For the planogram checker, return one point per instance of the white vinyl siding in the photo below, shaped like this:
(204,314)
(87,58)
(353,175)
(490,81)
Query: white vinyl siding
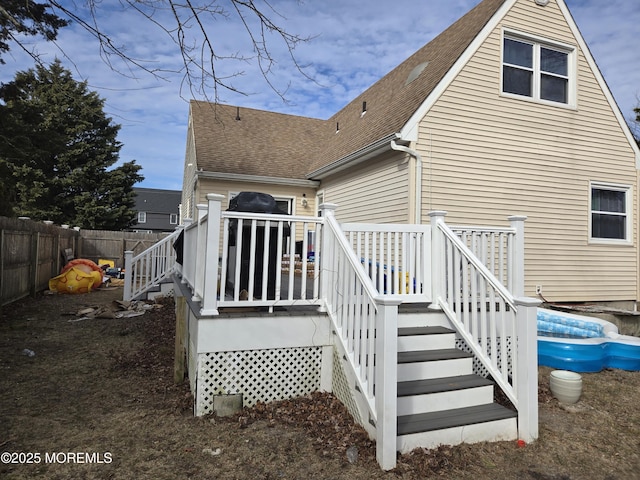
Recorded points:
(227,188)
(188,206)
(488,156)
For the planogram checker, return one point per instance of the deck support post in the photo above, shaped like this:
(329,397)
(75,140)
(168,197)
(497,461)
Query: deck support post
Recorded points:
(386,381)
(211,248)
(437,258)
(326,254)
(526,374)
(201,241)
(516,275)
(179,362)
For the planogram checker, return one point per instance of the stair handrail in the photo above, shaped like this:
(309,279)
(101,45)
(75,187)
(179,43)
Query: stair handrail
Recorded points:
(149,267)
(493,356)
(366,326)
(336,271)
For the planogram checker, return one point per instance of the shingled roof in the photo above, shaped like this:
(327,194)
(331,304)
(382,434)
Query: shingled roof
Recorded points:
(253,142)
(272,144)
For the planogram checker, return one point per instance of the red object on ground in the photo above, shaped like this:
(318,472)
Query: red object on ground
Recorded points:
(83,264)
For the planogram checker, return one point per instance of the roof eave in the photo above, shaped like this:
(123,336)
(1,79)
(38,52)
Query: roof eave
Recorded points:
(238,177)
(365,153)
(601,81)
(410,129)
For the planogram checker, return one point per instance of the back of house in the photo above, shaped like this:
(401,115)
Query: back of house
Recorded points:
(504,113)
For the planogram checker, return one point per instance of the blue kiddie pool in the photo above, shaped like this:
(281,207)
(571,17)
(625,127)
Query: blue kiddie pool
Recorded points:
(584,344)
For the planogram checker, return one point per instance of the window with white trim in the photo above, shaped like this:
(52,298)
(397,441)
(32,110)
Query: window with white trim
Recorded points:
(610,215)
(142,217)
(537,70)
(173,219)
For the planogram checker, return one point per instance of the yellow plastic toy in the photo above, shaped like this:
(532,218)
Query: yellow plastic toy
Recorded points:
(77,276)
(75,280)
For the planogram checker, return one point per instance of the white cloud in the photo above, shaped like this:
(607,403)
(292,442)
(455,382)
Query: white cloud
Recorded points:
(354,43)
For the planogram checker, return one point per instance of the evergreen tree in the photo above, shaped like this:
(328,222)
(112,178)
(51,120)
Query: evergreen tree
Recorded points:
(20,18)
(56,147)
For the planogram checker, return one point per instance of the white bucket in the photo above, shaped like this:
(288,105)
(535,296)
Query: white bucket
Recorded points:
(566,386)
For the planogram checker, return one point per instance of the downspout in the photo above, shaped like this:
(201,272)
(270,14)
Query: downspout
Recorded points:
(418,186)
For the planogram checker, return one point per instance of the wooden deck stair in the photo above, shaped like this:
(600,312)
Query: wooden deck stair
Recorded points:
(440,399)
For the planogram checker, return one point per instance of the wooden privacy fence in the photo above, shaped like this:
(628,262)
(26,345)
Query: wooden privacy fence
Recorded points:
(108,245)
(31,253)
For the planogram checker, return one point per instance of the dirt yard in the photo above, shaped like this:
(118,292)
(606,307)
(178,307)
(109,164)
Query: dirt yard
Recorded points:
(94,398)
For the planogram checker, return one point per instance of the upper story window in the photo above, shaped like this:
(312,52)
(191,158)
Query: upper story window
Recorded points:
(142,217)
(610,214)
(538,70)
(173,218)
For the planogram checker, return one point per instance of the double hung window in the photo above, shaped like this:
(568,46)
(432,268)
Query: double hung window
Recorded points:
(537,71)
(610,215)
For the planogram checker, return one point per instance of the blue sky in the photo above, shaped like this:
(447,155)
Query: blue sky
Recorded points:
(353,44)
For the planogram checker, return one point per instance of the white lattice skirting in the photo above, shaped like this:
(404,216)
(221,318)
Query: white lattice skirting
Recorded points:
(340,387)
(259,375)
(480,369)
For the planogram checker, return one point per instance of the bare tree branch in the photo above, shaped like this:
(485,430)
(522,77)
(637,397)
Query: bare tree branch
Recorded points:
(189,28)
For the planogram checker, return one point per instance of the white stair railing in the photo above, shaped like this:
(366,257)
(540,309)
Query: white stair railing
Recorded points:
(366,328)
(150,267)
(498,328)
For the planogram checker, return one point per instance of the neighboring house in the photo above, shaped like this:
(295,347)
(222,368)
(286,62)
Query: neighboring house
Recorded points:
(157,210)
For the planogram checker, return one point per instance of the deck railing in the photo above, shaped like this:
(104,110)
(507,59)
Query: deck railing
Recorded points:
(498,249)
(275,268)
(150,267)
(395,256)
(498,328)
(239,259)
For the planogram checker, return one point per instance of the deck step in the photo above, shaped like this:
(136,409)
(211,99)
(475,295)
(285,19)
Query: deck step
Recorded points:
(425,338)
(483,423)
(426,422)
(439,385)
(441,401)
(437,330)
(437,394)
(420,364)
(432,355)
